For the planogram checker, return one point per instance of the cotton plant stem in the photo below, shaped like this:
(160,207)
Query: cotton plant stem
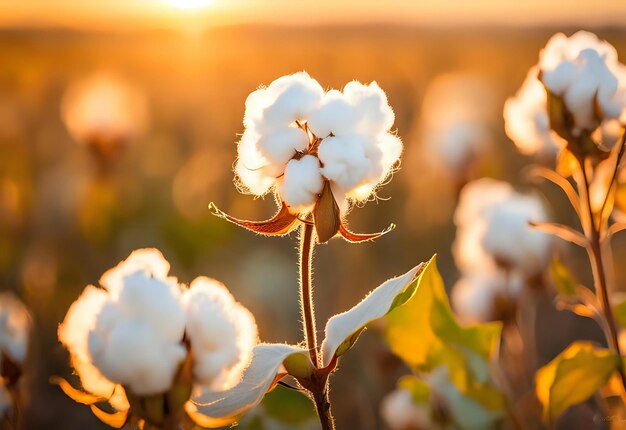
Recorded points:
(306,291)
(318,385)
(599,275)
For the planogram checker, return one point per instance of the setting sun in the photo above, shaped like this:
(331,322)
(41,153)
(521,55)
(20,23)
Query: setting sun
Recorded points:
(189,4)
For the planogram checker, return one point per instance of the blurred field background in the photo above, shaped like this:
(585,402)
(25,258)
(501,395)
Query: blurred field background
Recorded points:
(63,222)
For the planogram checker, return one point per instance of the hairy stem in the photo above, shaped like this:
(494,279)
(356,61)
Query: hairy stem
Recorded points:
(599,274)
(318,385)
(306,291)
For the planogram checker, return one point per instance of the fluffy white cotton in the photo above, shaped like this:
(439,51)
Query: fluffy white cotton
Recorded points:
(6,404)
(301,183)
(104,107)
(222,334)
(476,295)
(131,334)
(73,334)
(492,229)
(293,121)
(401,412)
(584,71)
(287,99)
(137,338)
(526,119)
(15,325)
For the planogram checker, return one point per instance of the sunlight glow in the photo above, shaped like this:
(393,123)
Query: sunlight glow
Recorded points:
(189,4)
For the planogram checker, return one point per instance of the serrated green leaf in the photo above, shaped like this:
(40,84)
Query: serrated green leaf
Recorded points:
(572,377)
(563,279)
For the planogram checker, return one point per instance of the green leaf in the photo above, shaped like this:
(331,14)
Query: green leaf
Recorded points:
(572,377)
(343,330)
(564,281)
(288,406)
(419,389)
(619,310)
(423,331)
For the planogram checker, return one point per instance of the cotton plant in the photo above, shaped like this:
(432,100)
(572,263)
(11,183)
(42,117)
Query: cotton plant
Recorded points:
(582,109)
(142,344)
(15,329)
(319,153)
(496,249)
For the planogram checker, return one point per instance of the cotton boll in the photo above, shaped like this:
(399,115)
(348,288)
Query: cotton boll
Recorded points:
(94,382)
(255,173)
(344,160)
(15,325)
(148,299)
(455,144)
(478,196)
(287,99)
(526,119)
(467,248)
(375,114)
(301,183)
(149,261)
(281,145)
(335,116)
(222,334)
(401,412)
(475,296)
(80,319)
(584,71)
(512,242)
(135,355)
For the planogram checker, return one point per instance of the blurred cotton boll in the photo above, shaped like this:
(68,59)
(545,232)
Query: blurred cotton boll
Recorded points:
(104,112)
(526,119)
(145,335)
(455,122)
(298,136)
(493,229)
(486,296)
(401,412)
(222,334)
(15,327)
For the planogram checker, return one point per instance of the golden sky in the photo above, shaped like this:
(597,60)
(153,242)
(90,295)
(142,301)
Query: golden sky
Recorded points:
(129,14)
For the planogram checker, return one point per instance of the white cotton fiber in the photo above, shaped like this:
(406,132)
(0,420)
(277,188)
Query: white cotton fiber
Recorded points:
(584,71)
(526,119)
(348,132)
(493,229)
(301,183)
(475,295)
(375,114)
(401,412)
(149,261)
(336,116)
(222,334)
(344,160)
(137,338)
(281,145)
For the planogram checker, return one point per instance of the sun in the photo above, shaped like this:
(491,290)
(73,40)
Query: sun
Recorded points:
(189,4)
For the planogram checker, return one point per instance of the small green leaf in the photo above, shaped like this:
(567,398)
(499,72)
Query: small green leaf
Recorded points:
(619,310)
(288,406)
(419,389)
(563,279)
(572,377)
